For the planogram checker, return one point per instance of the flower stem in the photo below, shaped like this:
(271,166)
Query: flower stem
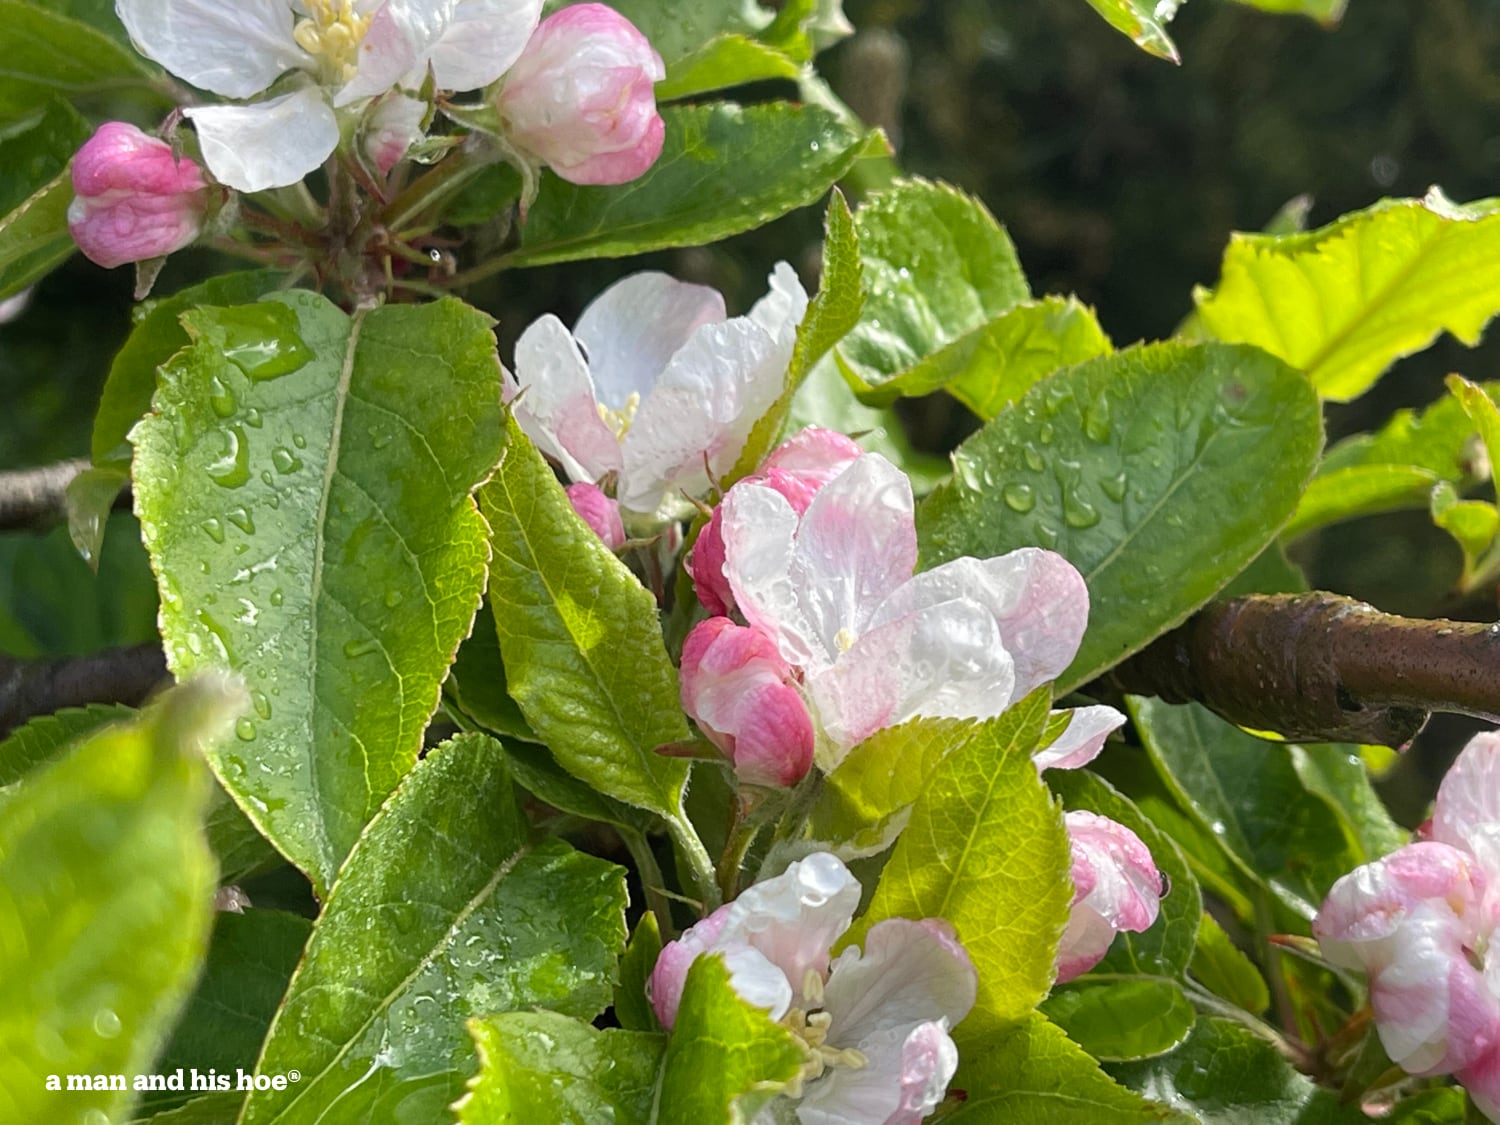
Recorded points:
(651,877)
(700,864)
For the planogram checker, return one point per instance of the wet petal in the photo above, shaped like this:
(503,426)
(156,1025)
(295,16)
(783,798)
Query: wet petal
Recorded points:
(1469,797)
(903,1080)
(233,49)
(1080,743)
(266,144)
(909,972)
(558,410)
(1116,886)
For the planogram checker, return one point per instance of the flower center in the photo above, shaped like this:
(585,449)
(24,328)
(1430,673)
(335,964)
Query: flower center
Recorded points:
(810,1024)
(620,421)
(331,34)
(845,639)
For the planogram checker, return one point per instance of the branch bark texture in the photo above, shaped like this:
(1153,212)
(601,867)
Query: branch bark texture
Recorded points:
(39,687)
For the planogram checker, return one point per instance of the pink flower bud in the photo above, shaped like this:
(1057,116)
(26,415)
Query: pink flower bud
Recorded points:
(797,468)
(1115,887)
(599,512)
(581,97)
(738,688)
(133,199)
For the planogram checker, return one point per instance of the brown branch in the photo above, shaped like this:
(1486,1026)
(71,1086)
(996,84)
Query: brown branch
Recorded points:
(35,499)
(39,687)
(1320,668)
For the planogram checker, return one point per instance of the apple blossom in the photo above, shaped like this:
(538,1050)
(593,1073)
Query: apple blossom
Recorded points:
(581,98)
(875,1022)
(654,387)
(133,198)
(1422,924)
(344,51)
(874,644)
(1116,887)
(598,511)
(738,689)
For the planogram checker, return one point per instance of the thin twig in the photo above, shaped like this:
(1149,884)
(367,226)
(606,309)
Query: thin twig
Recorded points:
(36,499)
(39,687)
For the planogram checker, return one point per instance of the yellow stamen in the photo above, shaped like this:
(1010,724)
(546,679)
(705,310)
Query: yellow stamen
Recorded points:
(620,421)
(331,34)
(810,1024)
(845,639)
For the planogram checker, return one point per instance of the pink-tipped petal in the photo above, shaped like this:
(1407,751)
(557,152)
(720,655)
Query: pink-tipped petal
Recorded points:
(1481,1078)
(1469,797)
(600,512)
(706,564)
(1116,887)
(813,456)
(558,409)
(664,988)
(1080,743)
(392,128)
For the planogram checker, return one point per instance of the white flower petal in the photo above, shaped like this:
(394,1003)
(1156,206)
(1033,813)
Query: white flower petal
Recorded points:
(558,410)
(632,330)
(1469,797)
(695,421)
(944,661)
(903,1080)
(760,532)
(757,979)
(910,972)
(781,310)
(481,41)
(267,144)
(1080,743)
(234,49)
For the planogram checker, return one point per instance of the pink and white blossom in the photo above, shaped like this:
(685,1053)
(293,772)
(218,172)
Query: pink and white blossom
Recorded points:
(1116,887)
(341,52)
(655,386)
(133,198)
(874,645)
(1421,923)
(740,692)
(581,98)
(600,512)
(875,1021)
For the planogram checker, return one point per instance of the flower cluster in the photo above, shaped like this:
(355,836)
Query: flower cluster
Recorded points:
(874,1022)
(815,554)
(306,78)
(1421,923)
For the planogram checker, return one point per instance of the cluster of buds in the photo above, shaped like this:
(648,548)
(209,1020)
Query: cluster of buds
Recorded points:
(573,92)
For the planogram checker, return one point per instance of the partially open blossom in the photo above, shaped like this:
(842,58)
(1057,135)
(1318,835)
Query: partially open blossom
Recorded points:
(654,385)
(132,198)
(738,689)
(342,51)
(392,126)
(799,467)
(581,98)
(1116,887)
(875,1022)
(874,644)
(599,512)
(1422,924)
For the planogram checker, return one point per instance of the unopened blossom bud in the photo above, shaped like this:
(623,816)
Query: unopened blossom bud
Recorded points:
(600,512)
(737,687)
(133,199)
(1115,887)
(581,97)
(393,126)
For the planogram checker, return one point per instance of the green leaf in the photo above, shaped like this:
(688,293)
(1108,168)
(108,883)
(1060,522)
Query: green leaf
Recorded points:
(45,737)
(1117,1017)
(1032,1074)
(36,149)
(107,905)
(1227,1075)
(1167,946)
(939,269)
(1344,302)
(1160,472)
(47,54)
(90,498)
(34,238)
(580,639)
(1248,795)
(830,316)
(725,1057)
(1338,774)
(309,517)
(986,849)
(725,61)
(250,960)
(1222,969)
(1364,491)
(157,336)
(1144,21)
(632,1009)
(1326,12)
(444,911)
(476,683)
(204,1109)
(723,169)
(541,1066)
(678,30)
(1473,524)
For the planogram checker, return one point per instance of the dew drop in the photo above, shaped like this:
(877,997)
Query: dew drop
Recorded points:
(277,597)
(93,1116)
(1096,420)
(1045,433)
(233,468)
(393,598)
(253,419)
(221,398)
(1046,536)
(240,517)
(354,649)
(1034,459)
(1114,487)
(220,635)
(214,529)
(1078,512)
(299,441)
(261,704)
(261,339)
(244,730)
(285,460)
(106,1023)
(1019,497)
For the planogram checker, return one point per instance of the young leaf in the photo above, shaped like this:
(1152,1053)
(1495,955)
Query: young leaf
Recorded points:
(34,238)
(1344,302)
(986,849)
(1339,775)
(1160,472)
(724,169)
(310,521)
(541,1066)
(1032,1074)
(1144,21)
(725,61)
(108,899)
(1222,969)
(580,640)
(1118,1017)
(632,1008)
(46,736)
(1247,794)
(204,1109)
(938,268)
(443,911)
